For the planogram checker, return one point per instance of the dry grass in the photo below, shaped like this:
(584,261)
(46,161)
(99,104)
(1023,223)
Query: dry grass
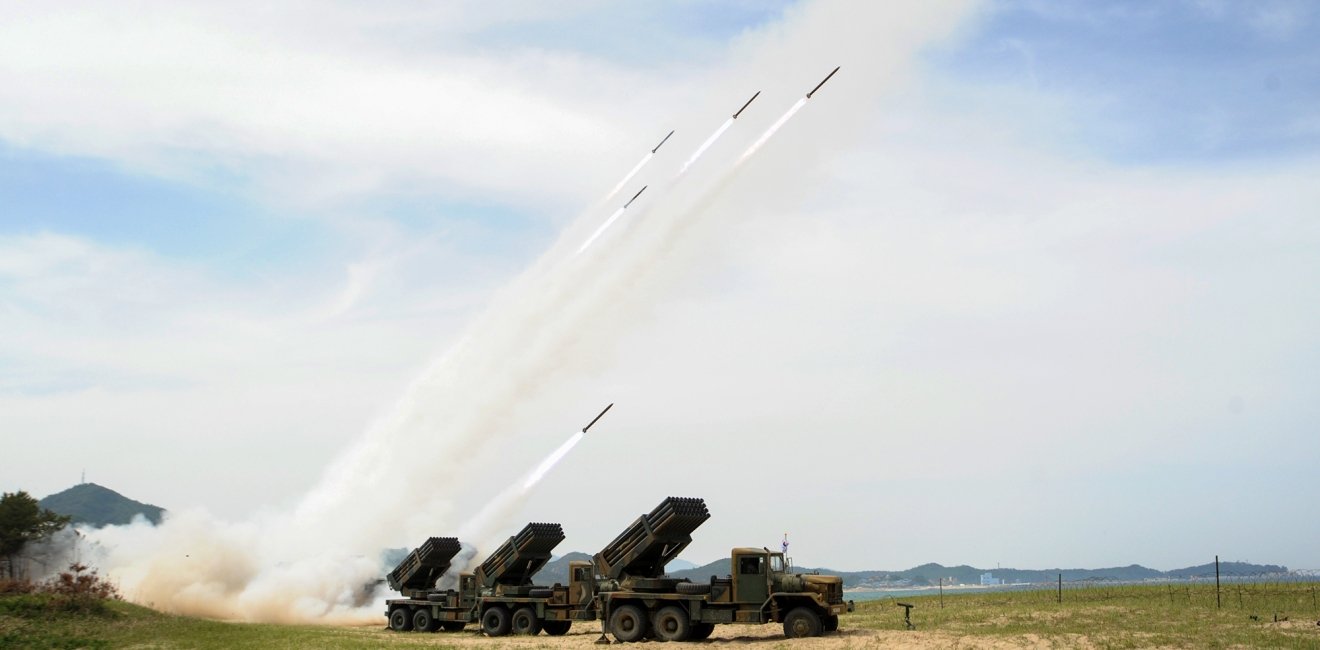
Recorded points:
(1120,617)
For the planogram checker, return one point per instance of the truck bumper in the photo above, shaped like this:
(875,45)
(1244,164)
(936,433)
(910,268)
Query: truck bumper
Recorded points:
(840,608)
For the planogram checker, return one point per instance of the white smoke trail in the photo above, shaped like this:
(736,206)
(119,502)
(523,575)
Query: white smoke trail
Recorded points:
(706,145)
(618,213)
(770,132)
(640,164)
(550,462)
(318,564)
(480,533)
(599,231)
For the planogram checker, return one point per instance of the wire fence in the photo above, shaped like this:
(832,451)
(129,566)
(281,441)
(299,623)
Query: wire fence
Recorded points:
(1271,593)
(1294,591)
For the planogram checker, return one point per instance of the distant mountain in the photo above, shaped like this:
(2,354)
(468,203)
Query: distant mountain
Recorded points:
(702,573)
(98,506)
(1227,569)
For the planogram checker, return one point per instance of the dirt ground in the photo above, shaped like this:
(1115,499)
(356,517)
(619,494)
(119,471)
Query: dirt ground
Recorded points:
(584,635)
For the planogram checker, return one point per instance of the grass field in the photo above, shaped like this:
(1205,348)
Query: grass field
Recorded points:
(1182,616)
(1131,616)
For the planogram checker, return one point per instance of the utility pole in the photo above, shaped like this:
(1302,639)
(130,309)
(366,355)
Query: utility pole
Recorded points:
(1218,604)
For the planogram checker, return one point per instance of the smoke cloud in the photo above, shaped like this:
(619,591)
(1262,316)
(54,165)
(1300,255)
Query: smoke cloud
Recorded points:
(321,560)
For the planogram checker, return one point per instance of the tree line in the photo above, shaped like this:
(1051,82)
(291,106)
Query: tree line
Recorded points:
(22,522)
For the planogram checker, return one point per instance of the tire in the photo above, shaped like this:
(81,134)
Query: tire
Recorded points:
(701,631)
(495,621)
(692,588)
(556,628)
(802,622)
(540,593)
(524,621)
(452,626)
(830,623)
(422,621)
(671,623)
(628,623)
(400,619)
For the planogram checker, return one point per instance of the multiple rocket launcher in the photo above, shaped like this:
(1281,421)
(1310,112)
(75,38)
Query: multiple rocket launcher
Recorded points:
(624,586)
(642,550)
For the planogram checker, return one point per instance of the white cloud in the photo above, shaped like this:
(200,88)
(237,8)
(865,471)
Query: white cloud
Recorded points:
(311,104)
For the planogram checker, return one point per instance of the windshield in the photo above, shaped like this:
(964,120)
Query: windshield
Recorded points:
(777,563)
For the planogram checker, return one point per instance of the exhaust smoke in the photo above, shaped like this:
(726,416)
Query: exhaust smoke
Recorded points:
(320,560)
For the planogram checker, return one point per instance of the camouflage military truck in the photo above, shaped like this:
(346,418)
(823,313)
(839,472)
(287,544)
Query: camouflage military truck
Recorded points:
(423,606)
(636,600)
(624,586)
(500,594)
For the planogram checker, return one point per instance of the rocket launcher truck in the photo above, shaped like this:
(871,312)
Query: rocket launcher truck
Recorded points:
(499,594)
(635,600)
(624,585)
(418,572)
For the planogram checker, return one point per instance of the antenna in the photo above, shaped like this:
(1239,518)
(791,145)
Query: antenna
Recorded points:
(84,477)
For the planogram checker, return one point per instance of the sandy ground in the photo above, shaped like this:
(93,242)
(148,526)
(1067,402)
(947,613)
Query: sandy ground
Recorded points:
(584,635)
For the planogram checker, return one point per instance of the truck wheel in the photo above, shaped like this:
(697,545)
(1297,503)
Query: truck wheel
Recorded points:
(422,621)
(628,623)
(495,622)
(556,628)
(801,622)
(452,626)
(400,620)
(672,624)
(692,588)
(831,623)
(525,622)
(701,631)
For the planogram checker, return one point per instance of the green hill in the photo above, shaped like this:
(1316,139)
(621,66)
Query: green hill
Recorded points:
(99,506)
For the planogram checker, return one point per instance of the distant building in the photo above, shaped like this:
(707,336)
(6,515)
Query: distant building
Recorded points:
(988,580)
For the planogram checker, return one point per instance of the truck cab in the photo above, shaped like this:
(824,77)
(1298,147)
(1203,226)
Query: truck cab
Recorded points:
(581,584)
(806,604)
(751,574)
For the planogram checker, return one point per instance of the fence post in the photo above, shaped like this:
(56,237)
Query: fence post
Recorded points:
(941,593)
(1060,588)
(1218,604)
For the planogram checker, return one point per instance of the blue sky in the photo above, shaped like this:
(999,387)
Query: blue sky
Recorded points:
(1030,261)
(1160,82)
(1146,84)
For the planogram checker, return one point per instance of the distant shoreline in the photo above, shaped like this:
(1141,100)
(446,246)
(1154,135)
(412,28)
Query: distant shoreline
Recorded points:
(957,587)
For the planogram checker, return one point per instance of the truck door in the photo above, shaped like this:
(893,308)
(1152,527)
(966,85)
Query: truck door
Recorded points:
(467,591)
(580,584)
(749,579)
